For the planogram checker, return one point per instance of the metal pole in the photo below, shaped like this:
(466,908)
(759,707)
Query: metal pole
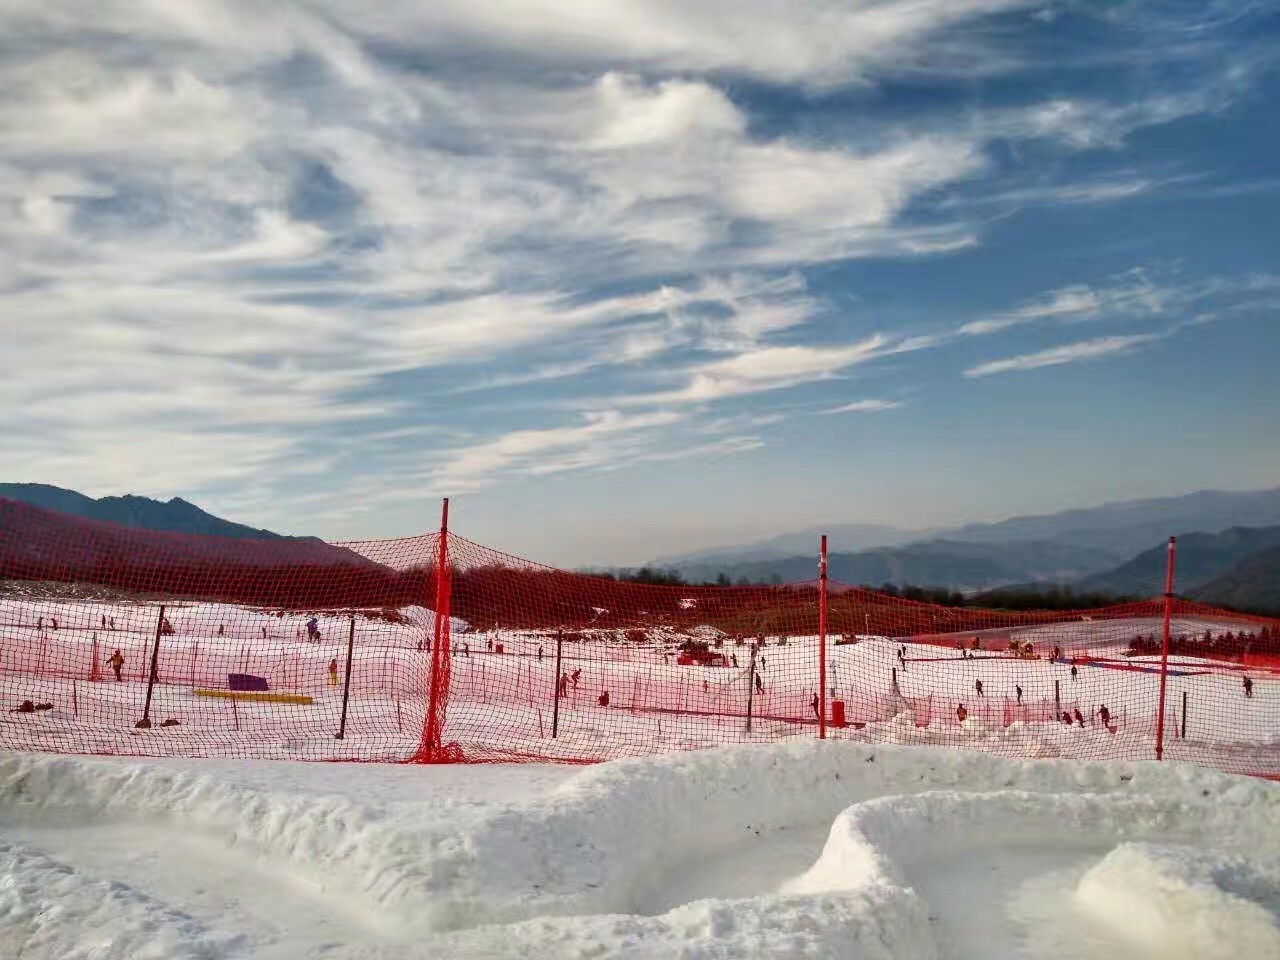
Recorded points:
(346,686)
(151,676)
(822,640)
(1184,714)
(751,684)
(555,710)
(1164,647)
(1057,699)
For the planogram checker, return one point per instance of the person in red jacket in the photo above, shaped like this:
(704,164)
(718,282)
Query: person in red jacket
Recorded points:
(961,714)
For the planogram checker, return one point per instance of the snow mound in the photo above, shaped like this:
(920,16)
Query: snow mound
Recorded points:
(805,849)
(1180,901)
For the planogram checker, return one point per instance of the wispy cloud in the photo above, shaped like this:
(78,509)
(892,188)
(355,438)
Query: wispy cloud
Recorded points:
(1069,353)
(866,406)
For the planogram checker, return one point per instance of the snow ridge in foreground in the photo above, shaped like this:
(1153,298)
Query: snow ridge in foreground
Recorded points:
(806,849)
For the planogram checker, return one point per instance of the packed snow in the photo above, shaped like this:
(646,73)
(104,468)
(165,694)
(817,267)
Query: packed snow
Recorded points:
(805,849)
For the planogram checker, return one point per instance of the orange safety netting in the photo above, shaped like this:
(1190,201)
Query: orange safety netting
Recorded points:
(436,649)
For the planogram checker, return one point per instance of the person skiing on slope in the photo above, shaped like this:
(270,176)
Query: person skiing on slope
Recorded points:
(961,714)
(117,664)
(575,677)
(814,703)
(977,685)
(759,684)
(1104,715)
(1075,674)
(1079,717)
(1066,718)
(1248,688)
(603,699)
(1018,691)
(333,672)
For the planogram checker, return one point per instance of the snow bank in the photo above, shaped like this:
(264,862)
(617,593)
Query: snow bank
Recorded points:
(602,864)
(1179,901)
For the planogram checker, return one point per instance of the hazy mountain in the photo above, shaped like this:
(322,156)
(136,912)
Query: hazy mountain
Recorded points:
(844,537)
(1252,584)
(177,515)
(1133,525)
(938,563)
(1201,557)
(1120,529)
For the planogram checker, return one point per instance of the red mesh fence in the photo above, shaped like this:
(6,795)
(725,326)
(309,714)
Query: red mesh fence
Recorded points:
(115,640)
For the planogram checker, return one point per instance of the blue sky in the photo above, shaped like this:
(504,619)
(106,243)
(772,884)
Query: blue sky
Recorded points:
(629,278)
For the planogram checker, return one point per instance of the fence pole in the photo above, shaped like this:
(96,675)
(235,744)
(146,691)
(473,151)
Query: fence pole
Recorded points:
(751,684)
(151,675)
(346,686)
(822,640)
(1057,700)
(1184,714)
(437,693)
(1164,647)
(555,709)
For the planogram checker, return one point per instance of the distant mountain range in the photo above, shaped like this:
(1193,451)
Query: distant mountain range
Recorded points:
(1201,558)
(1228,549)
(176,515)
(1117,548)
(1252,584)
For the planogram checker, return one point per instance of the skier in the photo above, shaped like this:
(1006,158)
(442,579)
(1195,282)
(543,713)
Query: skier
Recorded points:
(40,623)
(1075,674)
(264,633)
(603,699)
(54,621)
(165,627)
(222,629)
(111,621)
(961,714)
(466,650)
(1066,718)
(1104,715)
(706,687)
(489,645)
(539,652)
(977,685)
(759,684)
(104,621)
(313,629)
(575,677)
(735,659)
(1079,717)
(564,684)
(1018,690)
(1057,655)
(1248,688)
(814,703)
(117,664)
(762,664)
(333,672)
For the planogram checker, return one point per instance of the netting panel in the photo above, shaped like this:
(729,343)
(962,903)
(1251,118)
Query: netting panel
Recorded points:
(460,652)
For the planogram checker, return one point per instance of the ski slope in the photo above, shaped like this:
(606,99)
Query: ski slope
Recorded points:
(502,704)
(800,850)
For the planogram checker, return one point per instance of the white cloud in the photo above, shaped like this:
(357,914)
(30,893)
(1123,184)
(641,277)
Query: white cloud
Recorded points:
(1069,353)
(866,406)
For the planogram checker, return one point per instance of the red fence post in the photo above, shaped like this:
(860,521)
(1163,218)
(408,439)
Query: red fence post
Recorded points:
(438,689)
(1164,647)
(822,640)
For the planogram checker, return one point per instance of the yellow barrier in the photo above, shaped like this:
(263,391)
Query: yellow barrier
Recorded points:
(301,698)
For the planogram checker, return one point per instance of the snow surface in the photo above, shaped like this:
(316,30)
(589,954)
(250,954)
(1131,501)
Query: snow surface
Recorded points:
(804,849)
